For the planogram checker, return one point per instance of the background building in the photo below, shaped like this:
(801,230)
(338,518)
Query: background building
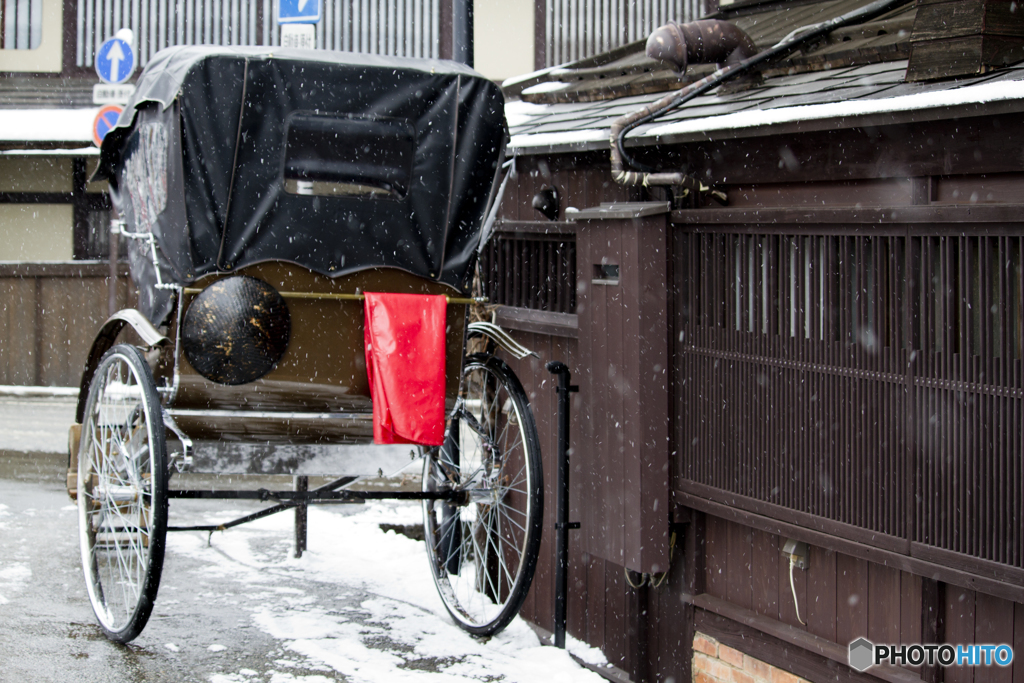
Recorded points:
(49,213)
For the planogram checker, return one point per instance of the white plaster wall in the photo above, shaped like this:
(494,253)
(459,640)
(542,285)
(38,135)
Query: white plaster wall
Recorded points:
(503,38)
(35,174)
(35,232)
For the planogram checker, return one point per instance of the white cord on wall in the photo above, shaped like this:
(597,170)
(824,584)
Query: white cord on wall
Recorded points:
(792,586)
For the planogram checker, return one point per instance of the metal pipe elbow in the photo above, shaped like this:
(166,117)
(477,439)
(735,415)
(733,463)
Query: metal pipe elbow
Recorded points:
(706,41)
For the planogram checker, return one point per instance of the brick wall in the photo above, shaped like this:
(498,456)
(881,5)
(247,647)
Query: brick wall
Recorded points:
(717,663)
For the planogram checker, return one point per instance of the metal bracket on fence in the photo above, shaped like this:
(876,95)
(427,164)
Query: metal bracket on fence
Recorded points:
(562,523)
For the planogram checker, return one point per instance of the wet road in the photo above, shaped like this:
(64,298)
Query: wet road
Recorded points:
(201,625)
(359,606)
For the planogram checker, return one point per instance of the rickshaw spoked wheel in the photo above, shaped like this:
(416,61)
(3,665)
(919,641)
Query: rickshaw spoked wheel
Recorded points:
(483,547)
(122,493)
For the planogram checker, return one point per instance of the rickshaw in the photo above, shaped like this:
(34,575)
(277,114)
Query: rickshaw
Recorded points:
(264,196)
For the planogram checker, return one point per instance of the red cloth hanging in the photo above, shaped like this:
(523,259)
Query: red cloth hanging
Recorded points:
(405,359)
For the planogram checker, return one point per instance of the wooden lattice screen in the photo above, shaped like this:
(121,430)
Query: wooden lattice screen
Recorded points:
(531,270)
(870,381)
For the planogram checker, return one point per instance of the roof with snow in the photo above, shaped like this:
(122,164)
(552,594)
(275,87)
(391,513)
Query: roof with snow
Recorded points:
(856,77)
(68,127)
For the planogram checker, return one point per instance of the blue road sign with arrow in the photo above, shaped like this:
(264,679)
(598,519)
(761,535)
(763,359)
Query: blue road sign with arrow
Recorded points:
(115,60)
(298,11)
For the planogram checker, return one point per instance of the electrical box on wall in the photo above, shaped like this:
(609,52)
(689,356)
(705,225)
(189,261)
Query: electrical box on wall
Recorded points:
(797,552)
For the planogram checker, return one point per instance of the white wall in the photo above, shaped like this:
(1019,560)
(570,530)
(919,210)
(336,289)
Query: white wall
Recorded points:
(48,56)
(503,38)
(36,232)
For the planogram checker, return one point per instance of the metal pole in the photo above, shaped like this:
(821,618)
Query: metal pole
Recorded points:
(462,31)
(301,485)
(562,523)
(114,236)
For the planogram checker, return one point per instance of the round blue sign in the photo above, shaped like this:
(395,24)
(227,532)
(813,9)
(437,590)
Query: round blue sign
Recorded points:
(115,61)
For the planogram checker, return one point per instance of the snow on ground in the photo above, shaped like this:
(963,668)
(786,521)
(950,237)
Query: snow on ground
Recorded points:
(13,578)
(396,627)
(27,424)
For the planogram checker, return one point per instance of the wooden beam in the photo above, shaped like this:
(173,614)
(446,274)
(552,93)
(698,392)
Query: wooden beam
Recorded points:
(692,489)
(540,36)
(939,572)
(964,38)
(80,213)
(540,322)
(61,269)
(565,228)
(694,533)
(446,38)
(784,646)
(771,219)
(636,628)
(37,197)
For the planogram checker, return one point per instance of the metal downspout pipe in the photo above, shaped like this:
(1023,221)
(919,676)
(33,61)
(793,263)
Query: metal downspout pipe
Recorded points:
(462,31)
(678,43)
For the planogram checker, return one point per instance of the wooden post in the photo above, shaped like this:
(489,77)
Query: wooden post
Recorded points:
(932,627)
(80,210)
(693,575)
(622,303)
(636,627)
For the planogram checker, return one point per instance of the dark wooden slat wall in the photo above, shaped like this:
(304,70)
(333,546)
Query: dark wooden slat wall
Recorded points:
(626,471)
(908,380)
(49,314)
(843,598)
(504,258)
(597,587)
(598,599)
(873,381)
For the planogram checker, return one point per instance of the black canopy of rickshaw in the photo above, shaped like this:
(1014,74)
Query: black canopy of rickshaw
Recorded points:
(334,161)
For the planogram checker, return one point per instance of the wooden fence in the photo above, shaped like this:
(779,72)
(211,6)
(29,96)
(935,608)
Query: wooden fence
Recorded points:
(576,29)
(49,314)
(408,28)
(869,386)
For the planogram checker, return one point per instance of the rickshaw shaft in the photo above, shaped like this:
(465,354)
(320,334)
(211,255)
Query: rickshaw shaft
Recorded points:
(349,297)
(321,496)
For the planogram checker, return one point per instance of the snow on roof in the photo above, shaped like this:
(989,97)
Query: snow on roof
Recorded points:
(70,152)
(843,97)
(518,112)
(546,86)
(47,125)
(982,94)
(566,138)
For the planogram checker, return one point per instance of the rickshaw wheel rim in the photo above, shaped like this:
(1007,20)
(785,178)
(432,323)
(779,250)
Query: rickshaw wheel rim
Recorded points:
(466,605)
(122,501)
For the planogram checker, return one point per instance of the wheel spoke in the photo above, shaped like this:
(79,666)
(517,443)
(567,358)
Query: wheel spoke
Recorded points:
(502,511)
(499,463)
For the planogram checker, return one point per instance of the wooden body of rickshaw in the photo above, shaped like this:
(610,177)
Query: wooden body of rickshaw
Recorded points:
(260,195)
